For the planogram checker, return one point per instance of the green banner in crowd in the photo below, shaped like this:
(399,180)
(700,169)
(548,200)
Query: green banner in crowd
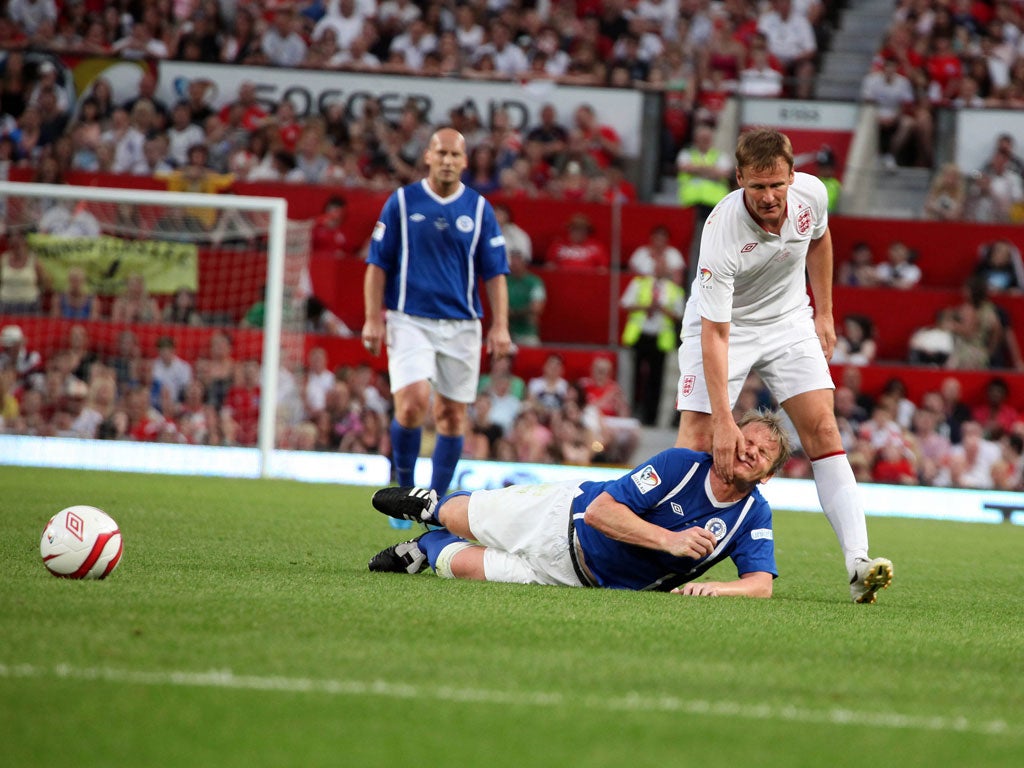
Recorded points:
(108,261)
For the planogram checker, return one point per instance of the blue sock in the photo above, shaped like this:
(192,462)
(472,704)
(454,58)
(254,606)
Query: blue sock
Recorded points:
(432,542)
(447,452)
(405,448)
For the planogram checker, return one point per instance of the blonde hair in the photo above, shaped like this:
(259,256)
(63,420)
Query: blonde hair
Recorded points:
(773,422)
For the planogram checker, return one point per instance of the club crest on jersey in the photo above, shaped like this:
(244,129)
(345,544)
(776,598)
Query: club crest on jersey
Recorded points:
(705,277)
(646,479)
(804,221)
(464,224)
(378,231)
(687,386)
(748,247)
(716,527)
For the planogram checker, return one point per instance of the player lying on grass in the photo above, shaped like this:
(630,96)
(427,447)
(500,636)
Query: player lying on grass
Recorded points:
(657,527)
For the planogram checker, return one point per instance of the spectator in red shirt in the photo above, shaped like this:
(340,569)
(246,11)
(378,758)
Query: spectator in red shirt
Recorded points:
(943,66)
(602,142)
(580,249)
(328,237)
(253,115)
(145,423)
(996,415)
(893,466)
(242,404)
(602,391)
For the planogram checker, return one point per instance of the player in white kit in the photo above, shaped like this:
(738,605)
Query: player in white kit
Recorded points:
(749,309)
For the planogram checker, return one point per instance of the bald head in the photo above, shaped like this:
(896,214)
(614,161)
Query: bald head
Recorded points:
(446,160)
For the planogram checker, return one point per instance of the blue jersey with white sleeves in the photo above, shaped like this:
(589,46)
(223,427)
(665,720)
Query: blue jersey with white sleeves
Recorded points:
(672,491)
(435,250)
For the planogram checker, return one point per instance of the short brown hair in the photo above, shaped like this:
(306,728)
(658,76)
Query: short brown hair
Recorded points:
(759,149)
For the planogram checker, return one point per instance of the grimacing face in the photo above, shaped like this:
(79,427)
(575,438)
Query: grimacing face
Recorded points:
(760,450)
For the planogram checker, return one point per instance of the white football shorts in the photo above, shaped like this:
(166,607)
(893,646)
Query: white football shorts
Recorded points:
(786,354)
(526,531)
(444,352)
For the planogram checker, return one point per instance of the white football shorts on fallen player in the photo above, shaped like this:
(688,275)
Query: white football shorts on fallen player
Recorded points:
(526,531)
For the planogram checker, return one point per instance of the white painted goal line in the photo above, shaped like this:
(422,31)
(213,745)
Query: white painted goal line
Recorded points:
(631,702)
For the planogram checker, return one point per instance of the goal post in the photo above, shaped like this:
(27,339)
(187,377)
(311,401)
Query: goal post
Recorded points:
(165,217)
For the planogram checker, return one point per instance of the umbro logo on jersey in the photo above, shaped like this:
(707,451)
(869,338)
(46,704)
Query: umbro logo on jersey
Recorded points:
(748,247)
(677,509)
(417,217)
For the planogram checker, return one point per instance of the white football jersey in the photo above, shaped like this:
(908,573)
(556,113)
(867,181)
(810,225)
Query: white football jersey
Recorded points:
(747,276)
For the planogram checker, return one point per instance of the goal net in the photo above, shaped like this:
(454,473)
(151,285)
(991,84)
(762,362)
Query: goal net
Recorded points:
(162,316)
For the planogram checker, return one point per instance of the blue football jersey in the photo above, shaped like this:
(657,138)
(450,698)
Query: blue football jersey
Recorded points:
(671,491)
(435,251)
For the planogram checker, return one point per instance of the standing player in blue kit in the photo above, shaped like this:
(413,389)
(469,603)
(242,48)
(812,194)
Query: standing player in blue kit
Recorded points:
(435,240)
(658,527)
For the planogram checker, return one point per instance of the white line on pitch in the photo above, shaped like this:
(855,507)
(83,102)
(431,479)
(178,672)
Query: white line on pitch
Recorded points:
(630,702)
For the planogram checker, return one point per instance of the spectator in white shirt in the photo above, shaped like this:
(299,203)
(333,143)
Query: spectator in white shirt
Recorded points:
(509,59)
(182,133)
(792,42)
(414,44)
(129,154)
(173,373)
(347,24)
(759,78)
(319,381)
(893,95)
(899,271)
(28,15)
(282,44)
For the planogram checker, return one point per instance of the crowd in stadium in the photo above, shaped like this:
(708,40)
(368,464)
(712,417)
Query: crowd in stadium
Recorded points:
(694,52)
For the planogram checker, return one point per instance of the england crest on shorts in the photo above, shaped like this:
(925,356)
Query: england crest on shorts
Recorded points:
(645,479)
(686,389)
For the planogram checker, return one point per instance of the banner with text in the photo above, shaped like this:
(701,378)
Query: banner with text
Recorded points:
(311,91)
(108,261)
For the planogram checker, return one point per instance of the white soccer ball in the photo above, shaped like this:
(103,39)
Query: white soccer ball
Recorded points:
(81,543)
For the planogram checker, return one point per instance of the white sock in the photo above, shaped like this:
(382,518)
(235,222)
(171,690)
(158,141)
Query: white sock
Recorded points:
(837,492)
(443,566)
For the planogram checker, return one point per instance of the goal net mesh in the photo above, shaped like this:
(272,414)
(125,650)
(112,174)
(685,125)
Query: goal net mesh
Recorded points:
(121,281)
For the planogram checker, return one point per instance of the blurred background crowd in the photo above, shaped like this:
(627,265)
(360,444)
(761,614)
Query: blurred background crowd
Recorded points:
(697,54)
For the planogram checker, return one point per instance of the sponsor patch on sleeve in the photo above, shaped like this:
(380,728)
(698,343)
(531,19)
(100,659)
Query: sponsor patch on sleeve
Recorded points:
(378,231)
(497,240)
(762,533)
(646,479)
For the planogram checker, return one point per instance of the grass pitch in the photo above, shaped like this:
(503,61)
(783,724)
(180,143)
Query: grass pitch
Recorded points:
(243,629)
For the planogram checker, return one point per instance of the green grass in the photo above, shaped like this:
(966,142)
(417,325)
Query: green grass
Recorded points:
(331,665)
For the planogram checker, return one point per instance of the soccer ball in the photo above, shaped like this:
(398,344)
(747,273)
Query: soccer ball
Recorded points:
(81,543)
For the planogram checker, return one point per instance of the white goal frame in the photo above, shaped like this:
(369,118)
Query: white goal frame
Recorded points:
(276,207)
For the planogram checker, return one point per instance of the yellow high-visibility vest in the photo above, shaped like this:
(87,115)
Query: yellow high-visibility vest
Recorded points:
(694,190)
(634,325)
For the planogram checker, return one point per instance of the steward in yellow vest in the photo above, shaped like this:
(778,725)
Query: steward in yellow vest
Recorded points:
(654,304)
